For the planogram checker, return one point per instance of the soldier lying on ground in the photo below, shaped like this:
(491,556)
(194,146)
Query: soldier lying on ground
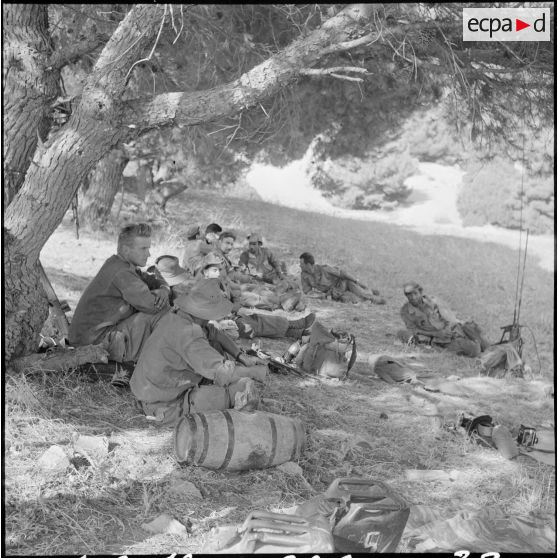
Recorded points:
(429,321)
(249,292)
(122,304)
(325,280)
(254,325)
(192,257)
(179,372)
(259,262)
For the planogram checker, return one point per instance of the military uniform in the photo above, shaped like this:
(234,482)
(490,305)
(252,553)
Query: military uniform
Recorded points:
(432,316)
(193,256)
(176,359)
(118,306)
(334,282)
(264,263)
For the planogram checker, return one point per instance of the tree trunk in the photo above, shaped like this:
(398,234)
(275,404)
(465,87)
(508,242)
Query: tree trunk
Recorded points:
(30,85)
(26,306)
(103,119)
(104,183)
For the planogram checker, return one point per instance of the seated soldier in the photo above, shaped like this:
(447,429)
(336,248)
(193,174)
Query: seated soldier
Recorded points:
(284,294)
(254,325)
(429,321)
(122,304)
(325,280)
(179,372)
(259,262)
(191,261)
(223,247)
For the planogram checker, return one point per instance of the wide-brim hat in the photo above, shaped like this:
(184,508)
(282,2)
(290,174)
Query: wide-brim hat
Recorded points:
(171,271)
(255,237)
(192,232)
(206,300)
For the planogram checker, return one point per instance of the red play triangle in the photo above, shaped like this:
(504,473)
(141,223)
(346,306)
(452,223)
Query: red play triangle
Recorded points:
(519,24)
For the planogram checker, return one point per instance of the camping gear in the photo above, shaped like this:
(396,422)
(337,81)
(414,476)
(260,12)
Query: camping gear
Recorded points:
(504,441)
(367,516)
(478,530)
(329,353)
(238,441)
(266,533)
(537,444)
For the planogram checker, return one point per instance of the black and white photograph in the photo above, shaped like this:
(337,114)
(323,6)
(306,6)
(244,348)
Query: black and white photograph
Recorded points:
(279,279)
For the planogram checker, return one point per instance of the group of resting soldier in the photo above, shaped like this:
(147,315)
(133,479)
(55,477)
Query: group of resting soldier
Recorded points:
(168,322)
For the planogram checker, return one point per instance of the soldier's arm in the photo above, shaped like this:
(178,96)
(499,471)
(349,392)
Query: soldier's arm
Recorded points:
(274,262)
(153,279)
(219,337)
(205,360)
(136,292)
(305,283)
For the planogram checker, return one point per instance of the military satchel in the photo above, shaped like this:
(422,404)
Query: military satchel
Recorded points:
(328,353)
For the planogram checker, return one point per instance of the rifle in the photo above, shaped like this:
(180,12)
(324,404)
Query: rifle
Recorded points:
(58,309)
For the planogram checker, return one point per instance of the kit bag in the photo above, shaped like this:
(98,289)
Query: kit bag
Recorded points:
(328,353)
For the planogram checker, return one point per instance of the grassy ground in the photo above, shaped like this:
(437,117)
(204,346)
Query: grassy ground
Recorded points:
(101,509)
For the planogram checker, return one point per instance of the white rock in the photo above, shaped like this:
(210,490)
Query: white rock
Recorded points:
(94,448)
(165,524)
(54,460)
(181,487)
(291,468)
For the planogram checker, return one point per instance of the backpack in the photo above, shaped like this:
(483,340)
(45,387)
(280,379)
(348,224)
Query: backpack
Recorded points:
(328,353)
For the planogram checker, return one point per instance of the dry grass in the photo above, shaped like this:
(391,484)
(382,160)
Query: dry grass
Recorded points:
(101,509)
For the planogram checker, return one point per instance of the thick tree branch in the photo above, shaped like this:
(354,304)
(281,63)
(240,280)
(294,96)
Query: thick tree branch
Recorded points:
(348,45)
(262,81)
(334,72)
(63,57)
(102,119)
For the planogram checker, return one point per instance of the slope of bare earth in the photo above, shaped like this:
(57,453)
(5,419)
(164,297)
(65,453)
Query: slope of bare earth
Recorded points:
(362,427)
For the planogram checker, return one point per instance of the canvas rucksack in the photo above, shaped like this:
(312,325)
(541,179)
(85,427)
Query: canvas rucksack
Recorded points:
(328,353)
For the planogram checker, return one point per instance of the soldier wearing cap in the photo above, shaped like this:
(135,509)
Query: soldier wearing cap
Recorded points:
(428,320)
(192,256)
(179,372)
(259,262)
(122,304)
(325,280)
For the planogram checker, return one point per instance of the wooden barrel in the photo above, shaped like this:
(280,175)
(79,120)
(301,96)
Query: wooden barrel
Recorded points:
(238,441)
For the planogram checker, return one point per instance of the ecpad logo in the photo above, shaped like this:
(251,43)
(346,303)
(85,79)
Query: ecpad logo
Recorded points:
(506,24)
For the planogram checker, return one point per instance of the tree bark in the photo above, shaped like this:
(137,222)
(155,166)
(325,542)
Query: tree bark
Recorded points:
(102,119)
(96,203)
(30,86)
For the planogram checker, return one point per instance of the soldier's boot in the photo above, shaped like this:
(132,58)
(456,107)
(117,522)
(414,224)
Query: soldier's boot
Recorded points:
(377,300)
